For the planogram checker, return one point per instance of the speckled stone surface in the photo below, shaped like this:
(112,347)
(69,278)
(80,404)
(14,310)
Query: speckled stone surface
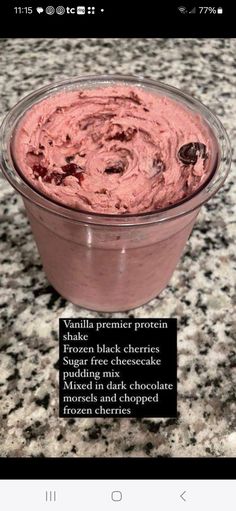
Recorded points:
(201,293)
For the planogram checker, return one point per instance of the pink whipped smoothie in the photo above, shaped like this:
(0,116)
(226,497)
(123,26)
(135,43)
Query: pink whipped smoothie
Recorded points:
(115,150)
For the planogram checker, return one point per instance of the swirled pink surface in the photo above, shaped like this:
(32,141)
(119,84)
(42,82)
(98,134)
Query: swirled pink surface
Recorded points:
(113,149)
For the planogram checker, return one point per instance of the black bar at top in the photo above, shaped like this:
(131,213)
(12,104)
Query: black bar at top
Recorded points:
(120,19)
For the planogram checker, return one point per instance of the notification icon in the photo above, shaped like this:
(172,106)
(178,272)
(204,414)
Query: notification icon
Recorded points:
(80,9)
(50,10)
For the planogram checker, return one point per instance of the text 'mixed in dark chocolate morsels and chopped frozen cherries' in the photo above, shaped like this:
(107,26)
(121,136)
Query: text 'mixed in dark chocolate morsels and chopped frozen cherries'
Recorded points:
(114,149)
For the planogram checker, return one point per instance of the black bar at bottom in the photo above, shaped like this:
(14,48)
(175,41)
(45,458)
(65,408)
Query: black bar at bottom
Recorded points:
(117,468)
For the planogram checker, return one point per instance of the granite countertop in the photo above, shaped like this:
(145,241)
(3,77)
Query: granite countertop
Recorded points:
(201,293)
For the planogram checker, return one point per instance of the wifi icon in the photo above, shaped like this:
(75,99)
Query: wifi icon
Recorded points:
(183,10)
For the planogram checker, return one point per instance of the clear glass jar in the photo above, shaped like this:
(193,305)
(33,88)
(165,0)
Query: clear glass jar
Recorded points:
(111,262)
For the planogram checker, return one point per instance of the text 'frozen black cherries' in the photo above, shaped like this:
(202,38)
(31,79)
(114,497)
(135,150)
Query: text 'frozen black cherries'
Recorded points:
(189,153)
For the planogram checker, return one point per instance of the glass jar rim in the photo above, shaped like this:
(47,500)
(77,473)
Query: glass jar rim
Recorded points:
(200,196)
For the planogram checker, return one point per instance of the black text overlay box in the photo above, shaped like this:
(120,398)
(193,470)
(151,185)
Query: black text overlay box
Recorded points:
(118,367)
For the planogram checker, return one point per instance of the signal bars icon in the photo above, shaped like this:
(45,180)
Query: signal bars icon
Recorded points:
(184,10)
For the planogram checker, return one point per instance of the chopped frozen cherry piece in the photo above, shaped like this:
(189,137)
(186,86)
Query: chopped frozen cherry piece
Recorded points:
(189,153)
(48,178)
(73,170)
(56,177)
(39,170)
(79,176)
(70,169)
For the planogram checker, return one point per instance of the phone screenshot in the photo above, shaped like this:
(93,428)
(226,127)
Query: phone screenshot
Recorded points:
(117,255)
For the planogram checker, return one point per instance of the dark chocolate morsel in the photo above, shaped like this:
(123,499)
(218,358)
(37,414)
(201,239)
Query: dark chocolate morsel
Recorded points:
(69,159)
(125,136)
(189,153)
(159,165)
(116,168)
